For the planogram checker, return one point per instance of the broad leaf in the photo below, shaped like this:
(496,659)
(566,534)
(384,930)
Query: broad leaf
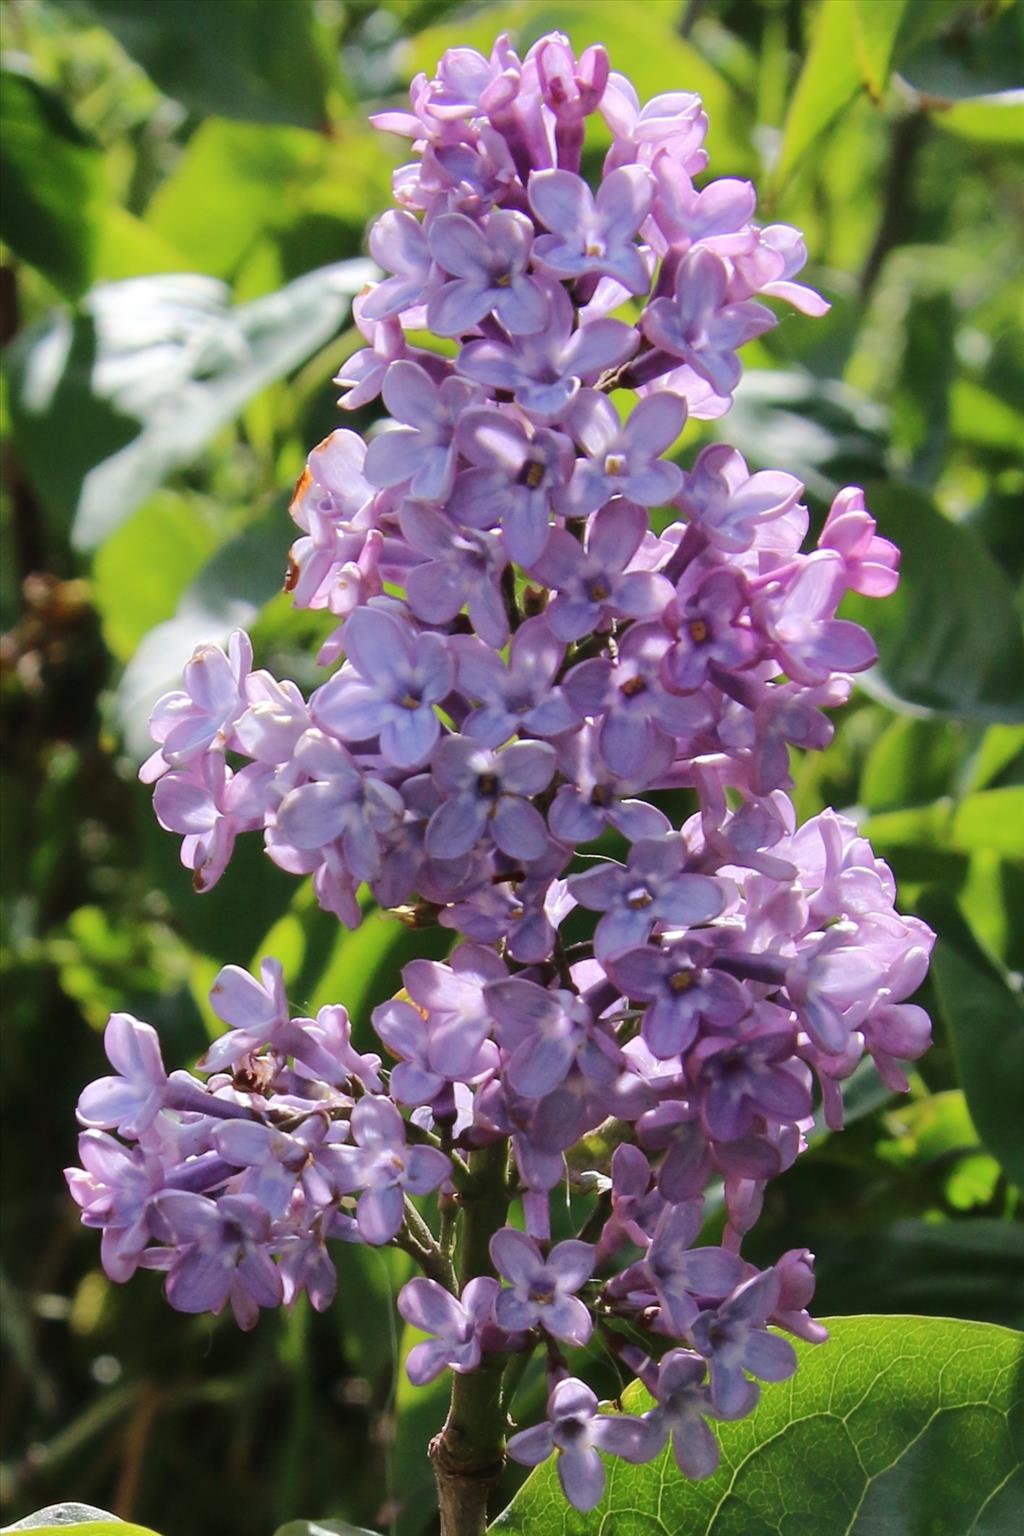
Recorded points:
(53,184)
(949,639)
(137,384)
(994,119)
(899,1426)
(985,1021)
(235,58)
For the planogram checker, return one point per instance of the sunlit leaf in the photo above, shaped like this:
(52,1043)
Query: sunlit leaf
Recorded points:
(831,76)
(985,1021)
(994,119)
(904,1425)
(138,383)
(141,571)
(876,24)
(949,639)
(322,1528)
(238,58)
(53,184)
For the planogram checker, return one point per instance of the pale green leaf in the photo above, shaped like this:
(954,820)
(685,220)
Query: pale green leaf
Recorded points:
(876,24)
(898,1426)
(831,76)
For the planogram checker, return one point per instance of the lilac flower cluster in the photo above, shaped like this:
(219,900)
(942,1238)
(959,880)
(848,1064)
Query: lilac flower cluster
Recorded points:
(527,657)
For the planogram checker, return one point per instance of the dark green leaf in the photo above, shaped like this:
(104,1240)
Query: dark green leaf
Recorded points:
(949,639)
(135,386)
(968,1269)
(53,184)
(898,1426)
(235,58)
(985,1021)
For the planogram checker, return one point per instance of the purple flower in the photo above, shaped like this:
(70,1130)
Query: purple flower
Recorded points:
(208,806)
(256,1011)
(112,1190)
(683,1405)
(545,371)
(731,506)
(679,1272)
(542,1291)
(577,1431)
(389,689)
(460,568)
(636,707)
(338,802)
(597,797)
(519,695)
(277,1162)
(592,584)
(399,245)
(541,1031)
(799,620)
(706,631)
(623,459)
(188,723)
(871,564)
(456,1323)
(382,1167)
(222,1254)
(700,325)
(132,1100)
(717,217)
(489,791)
(434,1051)
(652,887)
(420,454)
(591,234)
(681,992)
(742,1078)
(734,1338)
(488,262)
(515,477)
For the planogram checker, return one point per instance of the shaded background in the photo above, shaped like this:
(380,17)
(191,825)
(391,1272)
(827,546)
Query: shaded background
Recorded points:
(153,424)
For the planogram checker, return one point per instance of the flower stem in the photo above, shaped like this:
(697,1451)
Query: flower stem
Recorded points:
(469,1453)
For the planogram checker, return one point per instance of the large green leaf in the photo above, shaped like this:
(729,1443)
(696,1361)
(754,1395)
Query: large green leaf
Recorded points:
(899,1426)
(949,639)
(985,1021)
(235,58)
(53,184)
(136,385)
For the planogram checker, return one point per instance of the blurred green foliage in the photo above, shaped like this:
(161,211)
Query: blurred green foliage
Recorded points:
(186,187)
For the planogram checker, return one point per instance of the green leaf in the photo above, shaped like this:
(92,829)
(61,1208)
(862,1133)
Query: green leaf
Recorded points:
(985,1021)
(898,1426)
(875,25)
(140,572)
(992,819)
(910,764)
(831,76)
(53,184)
(238,182)
(994,119)
(239,58)
(136,385)
(227,594)
(81,1518)
(949,639)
